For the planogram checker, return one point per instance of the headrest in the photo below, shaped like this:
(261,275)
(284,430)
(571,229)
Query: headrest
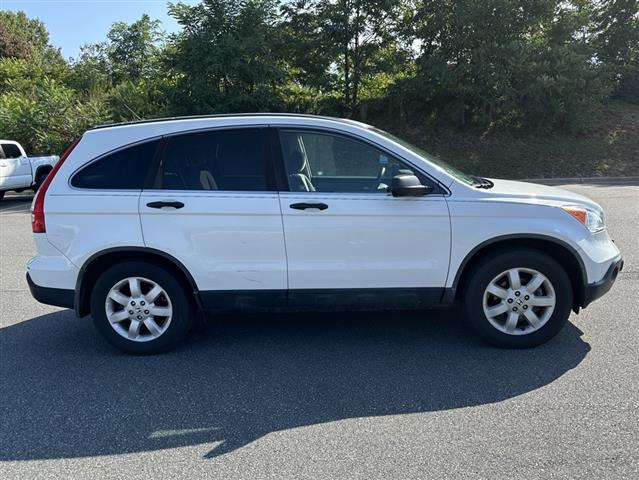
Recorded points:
(295,162)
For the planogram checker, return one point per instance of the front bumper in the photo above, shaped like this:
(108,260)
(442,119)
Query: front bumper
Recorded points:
(58,297)
(596,290)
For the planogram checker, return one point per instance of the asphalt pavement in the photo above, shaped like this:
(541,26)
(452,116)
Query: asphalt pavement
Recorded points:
(392,395)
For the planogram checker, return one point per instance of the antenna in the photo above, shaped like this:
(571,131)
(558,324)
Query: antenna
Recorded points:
(137,117)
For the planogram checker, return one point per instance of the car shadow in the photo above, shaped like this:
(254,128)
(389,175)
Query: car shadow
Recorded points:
(65,393)
(16,203)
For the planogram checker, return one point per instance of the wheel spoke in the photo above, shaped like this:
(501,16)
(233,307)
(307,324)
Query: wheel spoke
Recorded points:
(532,318)
(497,291)
(134,286)
(535,283)
(153,294)
(511,323)
(153,327)
(497,309)
(542,301)
(160,311)
(513,278)
(118,316)
(118,297)
(134,329)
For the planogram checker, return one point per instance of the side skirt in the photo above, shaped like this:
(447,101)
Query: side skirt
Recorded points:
(326,299)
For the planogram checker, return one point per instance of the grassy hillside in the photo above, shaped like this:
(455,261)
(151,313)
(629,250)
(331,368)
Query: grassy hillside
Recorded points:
(610,149)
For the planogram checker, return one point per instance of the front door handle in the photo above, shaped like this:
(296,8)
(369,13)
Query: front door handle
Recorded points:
(165,204)
(304,206)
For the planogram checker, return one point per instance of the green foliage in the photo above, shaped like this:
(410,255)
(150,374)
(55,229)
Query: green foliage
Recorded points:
(492,65)
(617,41)
(345,45)
(227,59)
(43,114)
(133,48)
(29,32)
(508,63)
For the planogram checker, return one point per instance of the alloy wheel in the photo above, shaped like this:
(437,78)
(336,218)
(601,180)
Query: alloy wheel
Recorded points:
(519,301)
(138,309)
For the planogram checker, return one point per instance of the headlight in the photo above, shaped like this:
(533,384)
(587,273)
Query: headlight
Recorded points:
(591,219)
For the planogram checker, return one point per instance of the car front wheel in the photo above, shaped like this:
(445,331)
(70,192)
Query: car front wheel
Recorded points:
(140,308)
(518,299)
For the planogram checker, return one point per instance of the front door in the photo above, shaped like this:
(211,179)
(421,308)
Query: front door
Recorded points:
(213,207)
(14,167)
(347,239)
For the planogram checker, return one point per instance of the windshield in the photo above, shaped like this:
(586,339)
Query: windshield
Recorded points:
(458,174)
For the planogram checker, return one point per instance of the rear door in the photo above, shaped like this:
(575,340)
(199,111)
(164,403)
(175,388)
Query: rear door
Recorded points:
(15,169)
(347,239)
(214,207)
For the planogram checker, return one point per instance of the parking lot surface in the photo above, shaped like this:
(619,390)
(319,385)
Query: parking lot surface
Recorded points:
(356,395)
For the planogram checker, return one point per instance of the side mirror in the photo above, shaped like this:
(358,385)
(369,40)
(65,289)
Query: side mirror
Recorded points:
(408,186)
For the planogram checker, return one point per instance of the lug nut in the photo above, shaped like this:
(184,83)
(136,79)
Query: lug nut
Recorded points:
(525,307)
(146,312)
(132,303)
(510,300)
(527,297)
(514,309)
(517,294)
(139,317)
(130,312)
(142,303)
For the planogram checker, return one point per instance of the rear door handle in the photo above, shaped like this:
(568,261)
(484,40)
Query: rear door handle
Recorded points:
(304,206)
(165,204)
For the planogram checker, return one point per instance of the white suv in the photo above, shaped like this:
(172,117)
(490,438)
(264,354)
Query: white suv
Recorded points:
(144,225)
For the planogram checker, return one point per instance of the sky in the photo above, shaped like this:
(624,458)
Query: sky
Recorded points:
(72,23)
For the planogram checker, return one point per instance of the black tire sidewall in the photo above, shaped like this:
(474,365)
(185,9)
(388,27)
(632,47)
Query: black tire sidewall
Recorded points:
(181,304)
(489,268)
(39,181)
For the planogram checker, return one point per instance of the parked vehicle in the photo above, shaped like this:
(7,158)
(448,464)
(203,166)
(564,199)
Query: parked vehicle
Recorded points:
(142,225)
(19,172)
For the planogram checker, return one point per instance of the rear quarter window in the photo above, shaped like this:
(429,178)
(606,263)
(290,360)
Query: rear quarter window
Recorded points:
(126,169)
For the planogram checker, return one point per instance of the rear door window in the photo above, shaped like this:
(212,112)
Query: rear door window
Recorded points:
(126,169)
(226,160)
(11,150)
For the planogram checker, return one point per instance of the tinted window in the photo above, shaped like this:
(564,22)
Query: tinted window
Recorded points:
(11,150)
(324,162)
(215,160)
(125,169)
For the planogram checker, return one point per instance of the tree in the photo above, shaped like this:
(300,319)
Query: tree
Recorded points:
(133,48)
(352,40)
(37,105)
(617,41)
(228,57)
(12,45)
(21,28)
(508,63)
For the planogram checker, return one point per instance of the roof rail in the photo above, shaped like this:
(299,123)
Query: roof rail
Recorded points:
(220,115)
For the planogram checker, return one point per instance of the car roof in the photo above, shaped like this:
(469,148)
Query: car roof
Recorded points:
(229,116)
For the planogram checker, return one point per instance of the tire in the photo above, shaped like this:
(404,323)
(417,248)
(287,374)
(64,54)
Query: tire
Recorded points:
(490,289)
(129,334)
(39,181)
(1,196)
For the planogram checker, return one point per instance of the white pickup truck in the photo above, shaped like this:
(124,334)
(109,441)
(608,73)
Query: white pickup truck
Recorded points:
(19,172)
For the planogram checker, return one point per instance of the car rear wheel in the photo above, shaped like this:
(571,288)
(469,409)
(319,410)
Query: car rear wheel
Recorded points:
(140,308)
(518,299)
(39,180)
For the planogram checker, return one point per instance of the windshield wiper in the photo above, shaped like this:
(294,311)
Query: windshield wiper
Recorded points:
(482,182)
